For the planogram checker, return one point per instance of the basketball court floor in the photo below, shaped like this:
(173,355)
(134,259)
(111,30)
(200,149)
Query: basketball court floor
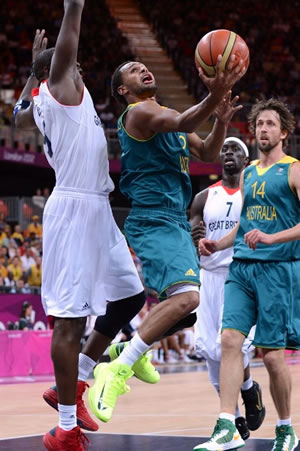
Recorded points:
(174,415)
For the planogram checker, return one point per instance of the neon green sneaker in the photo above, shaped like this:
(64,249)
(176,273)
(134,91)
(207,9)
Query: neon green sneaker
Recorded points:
(286,439)
(142,368)
(110,382)
(225,437)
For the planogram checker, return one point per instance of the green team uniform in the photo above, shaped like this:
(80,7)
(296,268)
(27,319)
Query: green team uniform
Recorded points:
(263,285)
(155,178)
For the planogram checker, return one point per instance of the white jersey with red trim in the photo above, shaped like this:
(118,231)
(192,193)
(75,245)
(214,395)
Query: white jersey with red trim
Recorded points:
(221,212)
(74,141)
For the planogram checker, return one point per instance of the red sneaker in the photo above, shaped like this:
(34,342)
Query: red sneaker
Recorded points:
(84,420)
(59,440)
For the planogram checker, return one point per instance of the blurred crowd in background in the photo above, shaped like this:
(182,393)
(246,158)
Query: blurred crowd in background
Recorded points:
(274,48)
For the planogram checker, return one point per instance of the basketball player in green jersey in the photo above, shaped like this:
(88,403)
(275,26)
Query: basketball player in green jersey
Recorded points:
(156,144)
(263,285)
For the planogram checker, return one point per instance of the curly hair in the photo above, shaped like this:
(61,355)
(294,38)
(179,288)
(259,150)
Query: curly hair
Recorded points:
(116,81)
(287,119)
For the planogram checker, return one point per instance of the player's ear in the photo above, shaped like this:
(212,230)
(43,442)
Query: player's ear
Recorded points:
(122,90)
(246,162)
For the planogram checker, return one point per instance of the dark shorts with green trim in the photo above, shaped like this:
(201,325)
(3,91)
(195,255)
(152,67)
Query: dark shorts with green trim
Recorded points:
(162,240)
(266,294)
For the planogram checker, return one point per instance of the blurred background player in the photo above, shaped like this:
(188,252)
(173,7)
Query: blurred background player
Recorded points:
(263,286)
(214,212)
(156,144)
(77,280)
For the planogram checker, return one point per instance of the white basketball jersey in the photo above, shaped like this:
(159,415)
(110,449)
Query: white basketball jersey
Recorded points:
(74,141)
(221,212)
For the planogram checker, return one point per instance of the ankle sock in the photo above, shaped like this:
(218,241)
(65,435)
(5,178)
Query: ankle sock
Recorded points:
(133,350)
(67,417)
(85,366)
(247,384)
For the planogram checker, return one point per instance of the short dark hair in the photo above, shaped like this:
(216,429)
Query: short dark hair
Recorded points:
(287,119)
(42,61)
(116,81)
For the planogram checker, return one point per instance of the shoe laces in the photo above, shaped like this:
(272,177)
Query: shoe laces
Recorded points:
(78,438)
(145,358)
(116,387)
(281,436)
(81,387)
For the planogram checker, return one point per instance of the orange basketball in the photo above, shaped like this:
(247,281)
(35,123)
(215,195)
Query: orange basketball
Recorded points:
(220,42)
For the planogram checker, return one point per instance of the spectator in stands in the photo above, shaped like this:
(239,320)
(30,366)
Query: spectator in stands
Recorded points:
(10,283)
(27,259)
(46,193)
(2,222)
(3,270)
(15,268)
(25,321)
(12,248)
(18,235)
(2,235)
(5,235)
(38,199)
(35,273)
(35,227)
(4,257)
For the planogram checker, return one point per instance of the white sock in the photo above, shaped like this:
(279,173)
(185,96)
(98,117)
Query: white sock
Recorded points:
(247,384)
(286,422)
(133,351)
(67,417)
(237,413)
(85,366)
(227,416)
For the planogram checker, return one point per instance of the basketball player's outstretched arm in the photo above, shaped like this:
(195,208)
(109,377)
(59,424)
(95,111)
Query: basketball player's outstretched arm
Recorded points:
(65,81)
(148,117)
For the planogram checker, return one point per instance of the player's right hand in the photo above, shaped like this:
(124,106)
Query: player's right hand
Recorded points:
(223,81)
(198,231)
(207,247)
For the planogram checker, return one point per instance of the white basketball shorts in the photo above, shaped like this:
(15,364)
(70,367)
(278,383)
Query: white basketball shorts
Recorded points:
(86,260)
(209,316)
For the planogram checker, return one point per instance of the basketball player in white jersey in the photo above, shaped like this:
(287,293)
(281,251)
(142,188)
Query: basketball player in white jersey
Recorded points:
(214,212)
(86,260)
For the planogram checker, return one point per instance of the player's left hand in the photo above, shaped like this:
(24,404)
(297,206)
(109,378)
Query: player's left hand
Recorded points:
(255,236)
(39,44)
(227,107)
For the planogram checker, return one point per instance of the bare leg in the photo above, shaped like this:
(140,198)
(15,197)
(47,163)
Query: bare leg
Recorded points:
(246,373)
(167,314)
(173,344)
(280,381)
(232,369)
(65,349)
(96,345)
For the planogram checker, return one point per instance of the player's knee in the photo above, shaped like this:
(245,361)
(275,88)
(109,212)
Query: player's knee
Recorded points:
(273,359)
(188,302)
(231,340)
(118,314)
(68,330)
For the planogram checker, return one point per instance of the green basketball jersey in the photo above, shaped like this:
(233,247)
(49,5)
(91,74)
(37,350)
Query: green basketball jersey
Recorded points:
(270,205)
(155,172)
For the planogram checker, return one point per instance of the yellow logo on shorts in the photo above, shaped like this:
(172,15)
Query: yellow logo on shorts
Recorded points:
(190,272)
